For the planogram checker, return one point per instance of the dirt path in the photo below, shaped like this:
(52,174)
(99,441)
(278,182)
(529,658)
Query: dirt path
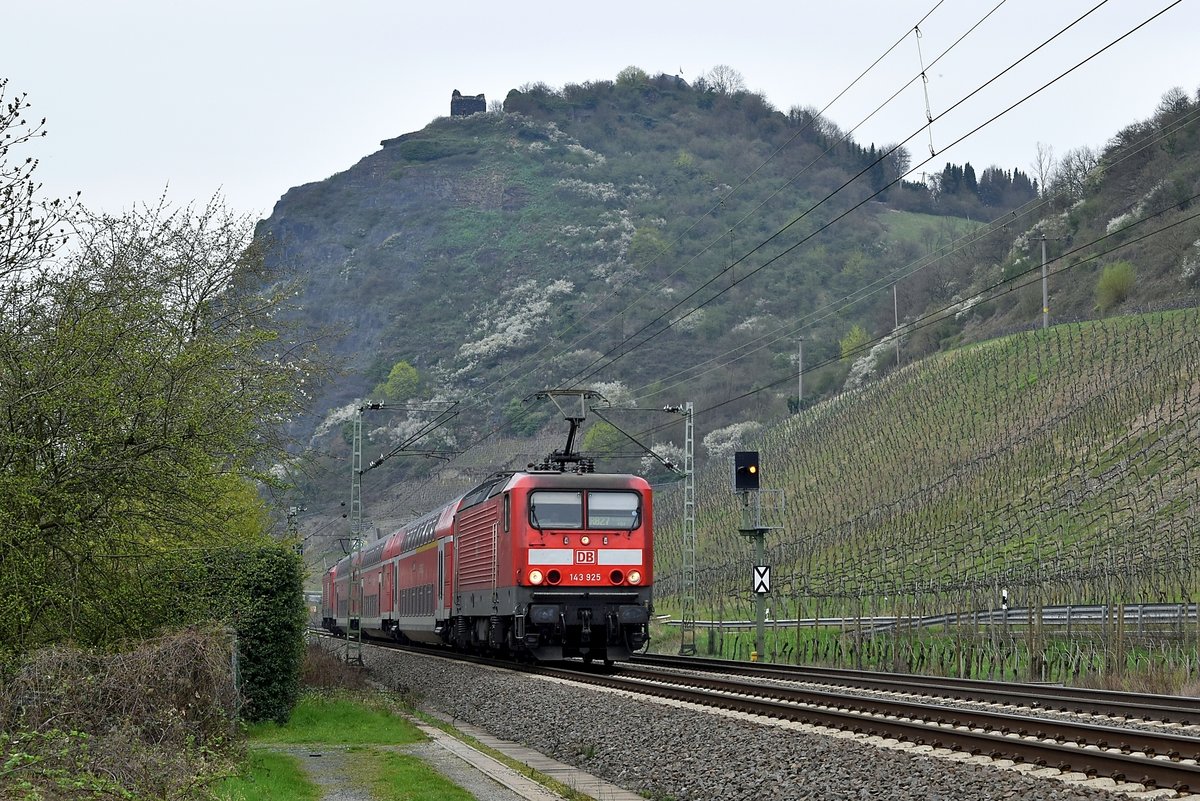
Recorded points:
(332,769)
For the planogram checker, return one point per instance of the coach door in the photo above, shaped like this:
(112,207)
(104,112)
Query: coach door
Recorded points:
(395,588)
(440,601)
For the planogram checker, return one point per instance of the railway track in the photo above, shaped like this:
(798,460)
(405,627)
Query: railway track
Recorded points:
(1154,759)
(1173,710)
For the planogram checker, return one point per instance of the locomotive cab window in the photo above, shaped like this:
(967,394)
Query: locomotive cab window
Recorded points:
(556,509)
(619,510)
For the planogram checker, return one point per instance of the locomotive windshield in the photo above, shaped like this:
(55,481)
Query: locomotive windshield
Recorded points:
(613,510)
(558,509)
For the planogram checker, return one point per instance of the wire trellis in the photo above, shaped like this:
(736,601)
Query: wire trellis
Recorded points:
(1049,467)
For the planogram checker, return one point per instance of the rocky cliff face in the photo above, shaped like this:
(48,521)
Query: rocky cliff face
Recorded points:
(457,249)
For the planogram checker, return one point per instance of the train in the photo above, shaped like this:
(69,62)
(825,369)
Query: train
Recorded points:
(548,563)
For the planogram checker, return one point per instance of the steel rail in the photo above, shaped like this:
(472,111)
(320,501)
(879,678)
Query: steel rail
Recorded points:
(1111,703)
(1174,746)
(891,720)
(1154,768)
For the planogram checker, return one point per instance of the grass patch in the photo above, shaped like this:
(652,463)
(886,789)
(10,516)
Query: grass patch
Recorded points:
(928,230)
(359,722)
(269,776)
(339,720)
(434,149)
(400,777)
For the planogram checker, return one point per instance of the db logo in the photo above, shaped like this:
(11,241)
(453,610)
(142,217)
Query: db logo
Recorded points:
(585,557)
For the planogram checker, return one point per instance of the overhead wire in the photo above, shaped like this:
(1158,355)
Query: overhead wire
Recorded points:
(969,133)
(938,315)
(881,283)
(960,139)
(806,238)
(495,430)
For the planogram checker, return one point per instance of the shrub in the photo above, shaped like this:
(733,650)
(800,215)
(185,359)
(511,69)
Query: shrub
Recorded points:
(854,341)
(270,619)
(326,670)
(431,149)
(401,383)
(259,594)
(155,722)
(1114,285)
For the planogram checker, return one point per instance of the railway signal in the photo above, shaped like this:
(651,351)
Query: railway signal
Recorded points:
(746,483)
(745,471)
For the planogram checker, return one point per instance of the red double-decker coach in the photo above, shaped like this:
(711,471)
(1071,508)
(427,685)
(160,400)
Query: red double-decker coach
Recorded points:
(546,563)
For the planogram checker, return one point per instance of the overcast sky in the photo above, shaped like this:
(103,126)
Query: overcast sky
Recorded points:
(251,98)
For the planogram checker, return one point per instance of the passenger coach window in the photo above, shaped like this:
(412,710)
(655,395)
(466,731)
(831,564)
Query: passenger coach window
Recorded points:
(613,510)
(556,509)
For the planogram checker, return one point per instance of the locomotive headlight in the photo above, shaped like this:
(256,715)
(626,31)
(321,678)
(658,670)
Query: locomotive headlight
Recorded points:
(535,577)
(634,577)
(586,540)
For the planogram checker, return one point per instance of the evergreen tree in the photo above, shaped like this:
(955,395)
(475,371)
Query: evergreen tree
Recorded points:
(969,184)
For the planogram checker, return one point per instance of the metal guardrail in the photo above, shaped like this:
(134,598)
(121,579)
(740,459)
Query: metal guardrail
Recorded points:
(1138,616)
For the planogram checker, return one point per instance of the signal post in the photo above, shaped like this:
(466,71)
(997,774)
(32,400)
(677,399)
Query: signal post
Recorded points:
(746,483)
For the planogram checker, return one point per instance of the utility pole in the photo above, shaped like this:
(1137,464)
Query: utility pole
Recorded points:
(355,590)
(687,630)
(687,641)
(293,528)
(800,377)
(1045,291)
(896,329)
(353,629)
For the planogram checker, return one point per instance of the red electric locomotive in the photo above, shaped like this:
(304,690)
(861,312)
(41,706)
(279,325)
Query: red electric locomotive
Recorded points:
(547,563)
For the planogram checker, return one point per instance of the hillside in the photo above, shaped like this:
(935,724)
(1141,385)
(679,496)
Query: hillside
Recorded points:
(1127,210)
(500,254)
(482,240)
(664,242)
(1058,465)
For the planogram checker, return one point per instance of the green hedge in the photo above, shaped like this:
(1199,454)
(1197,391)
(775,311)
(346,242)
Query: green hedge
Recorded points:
(259,593)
